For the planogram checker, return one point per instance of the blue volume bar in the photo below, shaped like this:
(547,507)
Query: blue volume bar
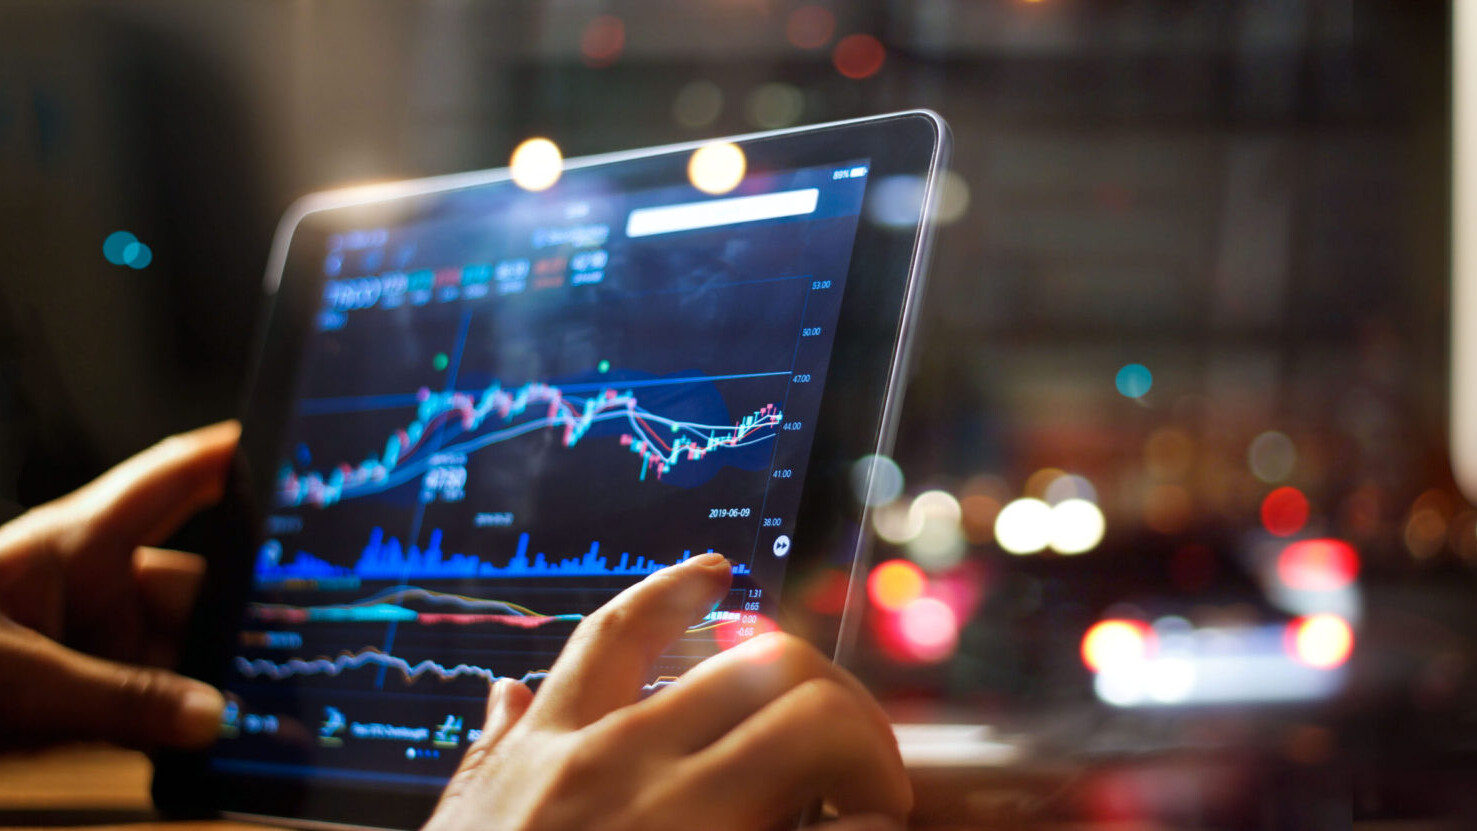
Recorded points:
(384,559)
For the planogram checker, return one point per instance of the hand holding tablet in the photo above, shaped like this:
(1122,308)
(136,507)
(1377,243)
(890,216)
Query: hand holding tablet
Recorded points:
(482,414)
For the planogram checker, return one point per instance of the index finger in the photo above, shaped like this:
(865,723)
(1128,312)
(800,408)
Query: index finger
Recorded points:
(611,652)
(148,496)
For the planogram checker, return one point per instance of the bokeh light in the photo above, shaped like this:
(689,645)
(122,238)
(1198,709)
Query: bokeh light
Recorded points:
(876,480)
(775,105)
(697,104)
(1168,509)
(896,522)
(1069,486)
(114,244)
(1271,456)
(810,27)
(603,40)
(136,255)
(123,248)
(894,584)
(1077,526)
(939,543)
(859,56)
(751,626)
(1169,680)
(953,198)
(717,168)
(1321,641)
(1024,526)
(929,628)
(979,513)
(1038,483)
(1134,381)
(1169,452)
(536,164)
(1318,565)
(1284,511)
(1113,644)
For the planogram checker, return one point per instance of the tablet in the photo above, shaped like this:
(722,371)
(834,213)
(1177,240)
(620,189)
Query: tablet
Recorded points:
(481,410)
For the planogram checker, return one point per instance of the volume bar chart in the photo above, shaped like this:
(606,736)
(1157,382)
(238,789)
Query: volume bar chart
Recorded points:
(383,558)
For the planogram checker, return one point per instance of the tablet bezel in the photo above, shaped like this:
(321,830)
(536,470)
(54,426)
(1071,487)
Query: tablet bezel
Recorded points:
(868,365)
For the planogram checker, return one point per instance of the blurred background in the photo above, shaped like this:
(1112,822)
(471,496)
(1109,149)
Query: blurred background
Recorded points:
(1172,538)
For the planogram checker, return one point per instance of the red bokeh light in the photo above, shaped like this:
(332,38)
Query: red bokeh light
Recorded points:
(730,635)
(859,56)
(929,629)
(1320,641)
(602,41)
(1285,511)
(810,27)
(1318,565)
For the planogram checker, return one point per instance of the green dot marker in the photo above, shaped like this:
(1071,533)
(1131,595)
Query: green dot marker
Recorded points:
(604,366)
(440,361)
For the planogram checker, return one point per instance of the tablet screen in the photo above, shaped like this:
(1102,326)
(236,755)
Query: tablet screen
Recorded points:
(510,406)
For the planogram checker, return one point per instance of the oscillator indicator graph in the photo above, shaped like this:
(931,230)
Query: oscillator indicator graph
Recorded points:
(410,672)
(383,558)
(660,442)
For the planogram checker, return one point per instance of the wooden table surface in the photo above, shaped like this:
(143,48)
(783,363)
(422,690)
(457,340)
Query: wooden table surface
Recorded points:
(98,787)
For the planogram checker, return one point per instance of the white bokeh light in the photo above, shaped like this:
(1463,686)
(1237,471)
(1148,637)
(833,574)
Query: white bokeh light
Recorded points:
(1024,526)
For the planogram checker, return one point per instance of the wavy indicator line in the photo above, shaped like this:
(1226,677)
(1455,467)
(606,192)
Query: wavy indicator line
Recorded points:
(659,441)
(369,656)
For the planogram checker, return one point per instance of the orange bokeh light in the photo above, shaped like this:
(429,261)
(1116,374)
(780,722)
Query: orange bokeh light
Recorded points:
(1285,511)
(810,27)
(1321,641)
(894,584)
(1113,643)
(859,56)
(1318,565)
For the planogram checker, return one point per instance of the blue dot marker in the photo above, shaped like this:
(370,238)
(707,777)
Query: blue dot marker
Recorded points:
(115,244)
(136,255)
(1134,380)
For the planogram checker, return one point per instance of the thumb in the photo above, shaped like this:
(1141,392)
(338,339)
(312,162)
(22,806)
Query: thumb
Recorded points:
(49,693)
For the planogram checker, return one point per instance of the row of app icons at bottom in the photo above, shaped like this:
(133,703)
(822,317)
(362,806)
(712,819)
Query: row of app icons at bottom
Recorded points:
(334,728)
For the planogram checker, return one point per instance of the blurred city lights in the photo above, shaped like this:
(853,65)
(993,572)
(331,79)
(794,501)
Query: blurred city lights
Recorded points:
(123,248)
(1134,380)
(1168,509)
(775,105)
(899,201)
(716,168)
(1284,511)
(1318,565)
(1168,453)
(1076,526)
(602,41)
(1115,644)
(1271,456)
(697,104)
(1425,532)
(536,164)
(1321,641)
(810,27)
(894,584)
(1038,482)
(929,628)
(979,513)
(858,56)
(1024,526)
(876,480)
(953,198)
(896,522)
(1169,680)
(939,543)
(1069,486)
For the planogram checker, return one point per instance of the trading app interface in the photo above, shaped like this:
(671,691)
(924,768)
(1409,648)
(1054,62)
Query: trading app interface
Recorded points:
(509,409)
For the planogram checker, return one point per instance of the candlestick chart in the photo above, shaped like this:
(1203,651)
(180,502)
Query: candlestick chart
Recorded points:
(463,422)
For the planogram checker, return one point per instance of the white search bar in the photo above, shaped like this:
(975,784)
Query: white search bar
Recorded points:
(690,216)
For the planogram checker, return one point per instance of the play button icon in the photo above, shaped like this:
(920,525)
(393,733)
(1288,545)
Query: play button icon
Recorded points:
(781,545)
